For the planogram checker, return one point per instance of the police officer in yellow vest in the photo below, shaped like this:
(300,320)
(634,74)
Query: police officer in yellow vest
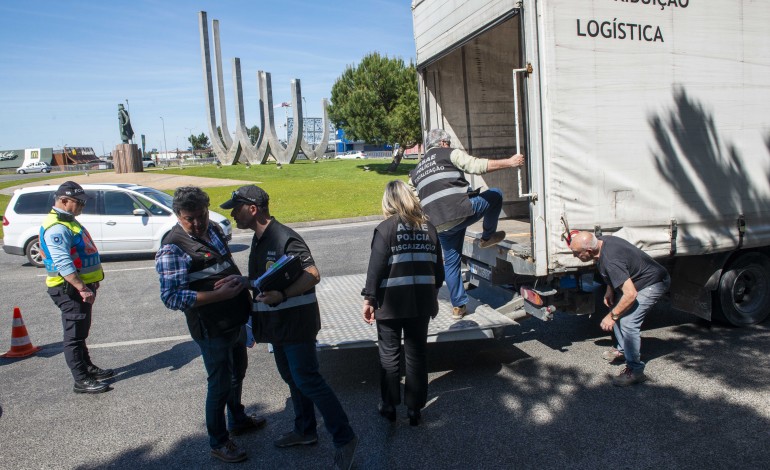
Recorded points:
(74,271)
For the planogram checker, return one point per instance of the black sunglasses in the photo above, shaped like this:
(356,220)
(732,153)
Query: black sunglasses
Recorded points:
(77,201)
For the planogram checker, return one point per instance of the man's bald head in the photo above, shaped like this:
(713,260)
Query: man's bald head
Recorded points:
(585,246)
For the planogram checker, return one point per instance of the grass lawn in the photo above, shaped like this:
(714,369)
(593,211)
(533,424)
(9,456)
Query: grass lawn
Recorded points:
(299,192)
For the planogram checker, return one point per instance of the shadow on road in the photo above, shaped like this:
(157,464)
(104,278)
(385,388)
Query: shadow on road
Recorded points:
(491,405)
(174,358)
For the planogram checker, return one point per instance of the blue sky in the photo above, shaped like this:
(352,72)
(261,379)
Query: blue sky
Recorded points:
(66,65)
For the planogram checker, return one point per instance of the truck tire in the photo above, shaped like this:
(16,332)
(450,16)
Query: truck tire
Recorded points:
(34,253)
(743,296)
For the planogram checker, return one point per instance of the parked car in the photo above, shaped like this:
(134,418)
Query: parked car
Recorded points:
(121,218)
(36,167)
(352,155)
(148,162)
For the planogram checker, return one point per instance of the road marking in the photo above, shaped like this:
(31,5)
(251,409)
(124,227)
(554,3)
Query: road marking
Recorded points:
(129,269)
(117,270)
(140,341)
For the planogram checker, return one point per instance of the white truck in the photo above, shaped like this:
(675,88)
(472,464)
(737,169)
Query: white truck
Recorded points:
(645,119)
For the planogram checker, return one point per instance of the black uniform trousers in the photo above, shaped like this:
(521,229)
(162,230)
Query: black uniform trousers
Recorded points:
(76,323)
(415,351)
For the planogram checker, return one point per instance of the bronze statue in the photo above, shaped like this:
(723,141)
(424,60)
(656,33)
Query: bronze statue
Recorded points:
(126,132)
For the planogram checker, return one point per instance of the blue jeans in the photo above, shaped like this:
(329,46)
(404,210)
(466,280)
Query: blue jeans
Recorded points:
(226,361)
(298,365)
(487,205)
(628,329)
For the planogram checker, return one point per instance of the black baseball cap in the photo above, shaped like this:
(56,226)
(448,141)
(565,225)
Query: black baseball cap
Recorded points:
(73,190)
(250,194)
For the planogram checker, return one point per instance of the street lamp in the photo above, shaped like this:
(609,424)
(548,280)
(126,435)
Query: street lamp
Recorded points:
(165,146)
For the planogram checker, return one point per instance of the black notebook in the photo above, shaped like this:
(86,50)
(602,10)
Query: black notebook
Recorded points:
(280,275)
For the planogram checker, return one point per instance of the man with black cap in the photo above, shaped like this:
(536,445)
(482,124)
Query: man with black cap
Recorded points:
(73,271)
(191,263)
(290,320)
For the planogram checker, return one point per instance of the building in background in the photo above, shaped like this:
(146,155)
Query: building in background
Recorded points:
(17,158)
(74,156)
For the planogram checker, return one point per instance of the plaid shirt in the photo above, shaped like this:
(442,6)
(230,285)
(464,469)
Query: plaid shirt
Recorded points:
(173,266)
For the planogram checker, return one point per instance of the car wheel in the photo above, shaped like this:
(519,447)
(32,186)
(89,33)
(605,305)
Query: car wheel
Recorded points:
(150,165)
(743,296)
(34,253)
(22,172)
(46,170)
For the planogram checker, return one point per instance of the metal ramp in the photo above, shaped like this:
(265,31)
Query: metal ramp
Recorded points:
(343,326)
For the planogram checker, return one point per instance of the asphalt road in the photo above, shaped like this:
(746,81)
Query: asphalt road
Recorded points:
(539,399)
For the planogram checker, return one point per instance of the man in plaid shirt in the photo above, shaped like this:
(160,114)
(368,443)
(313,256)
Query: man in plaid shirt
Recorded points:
(198,276)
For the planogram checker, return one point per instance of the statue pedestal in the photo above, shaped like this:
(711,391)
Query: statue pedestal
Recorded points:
(127,159)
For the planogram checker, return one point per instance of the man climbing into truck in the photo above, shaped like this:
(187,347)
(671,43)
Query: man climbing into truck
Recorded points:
(451,204)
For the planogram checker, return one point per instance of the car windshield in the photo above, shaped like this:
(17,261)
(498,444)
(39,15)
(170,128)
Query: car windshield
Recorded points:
(156,195)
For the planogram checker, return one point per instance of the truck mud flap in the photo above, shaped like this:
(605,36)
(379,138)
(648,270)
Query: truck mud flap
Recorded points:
(343,326)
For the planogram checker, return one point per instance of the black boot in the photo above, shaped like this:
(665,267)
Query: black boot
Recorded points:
(100,374)
(387,411)
(414,417)
(90,385)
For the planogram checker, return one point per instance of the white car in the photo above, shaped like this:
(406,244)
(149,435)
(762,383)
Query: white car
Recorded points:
(37,167)
(352,155)
(121,218)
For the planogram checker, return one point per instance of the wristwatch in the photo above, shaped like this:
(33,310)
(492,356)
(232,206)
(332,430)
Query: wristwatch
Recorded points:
(614,316)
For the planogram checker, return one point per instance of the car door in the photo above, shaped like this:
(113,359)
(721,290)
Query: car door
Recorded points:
(122,230)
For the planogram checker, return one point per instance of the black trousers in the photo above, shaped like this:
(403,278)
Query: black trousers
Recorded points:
(415,346)
(76,323)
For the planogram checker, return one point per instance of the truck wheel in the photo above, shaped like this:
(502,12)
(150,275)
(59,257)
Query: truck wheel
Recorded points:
(34,253)
(743,296)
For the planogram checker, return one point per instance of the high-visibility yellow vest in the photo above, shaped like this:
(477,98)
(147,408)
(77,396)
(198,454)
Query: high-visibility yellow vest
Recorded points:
(84,255)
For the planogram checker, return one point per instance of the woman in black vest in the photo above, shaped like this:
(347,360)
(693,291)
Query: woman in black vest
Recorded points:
(402,282)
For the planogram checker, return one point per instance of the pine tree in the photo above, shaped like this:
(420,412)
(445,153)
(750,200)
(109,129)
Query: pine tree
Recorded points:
(376,101)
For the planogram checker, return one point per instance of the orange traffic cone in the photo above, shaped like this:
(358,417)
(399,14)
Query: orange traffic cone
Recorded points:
(21,346)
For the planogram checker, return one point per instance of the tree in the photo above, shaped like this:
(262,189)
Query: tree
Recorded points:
(199,142)
(253,133)
(377,102)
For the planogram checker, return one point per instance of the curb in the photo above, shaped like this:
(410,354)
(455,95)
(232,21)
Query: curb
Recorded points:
(321,223)
(312,223)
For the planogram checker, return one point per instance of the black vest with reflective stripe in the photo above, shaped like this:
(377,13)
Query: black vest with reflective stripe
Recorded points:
(414,274)
(298,319)
(207,267)
(442,187)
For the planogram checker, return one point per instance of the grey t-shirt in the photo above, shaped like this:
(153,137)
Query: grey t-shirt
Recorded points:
(621,260)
